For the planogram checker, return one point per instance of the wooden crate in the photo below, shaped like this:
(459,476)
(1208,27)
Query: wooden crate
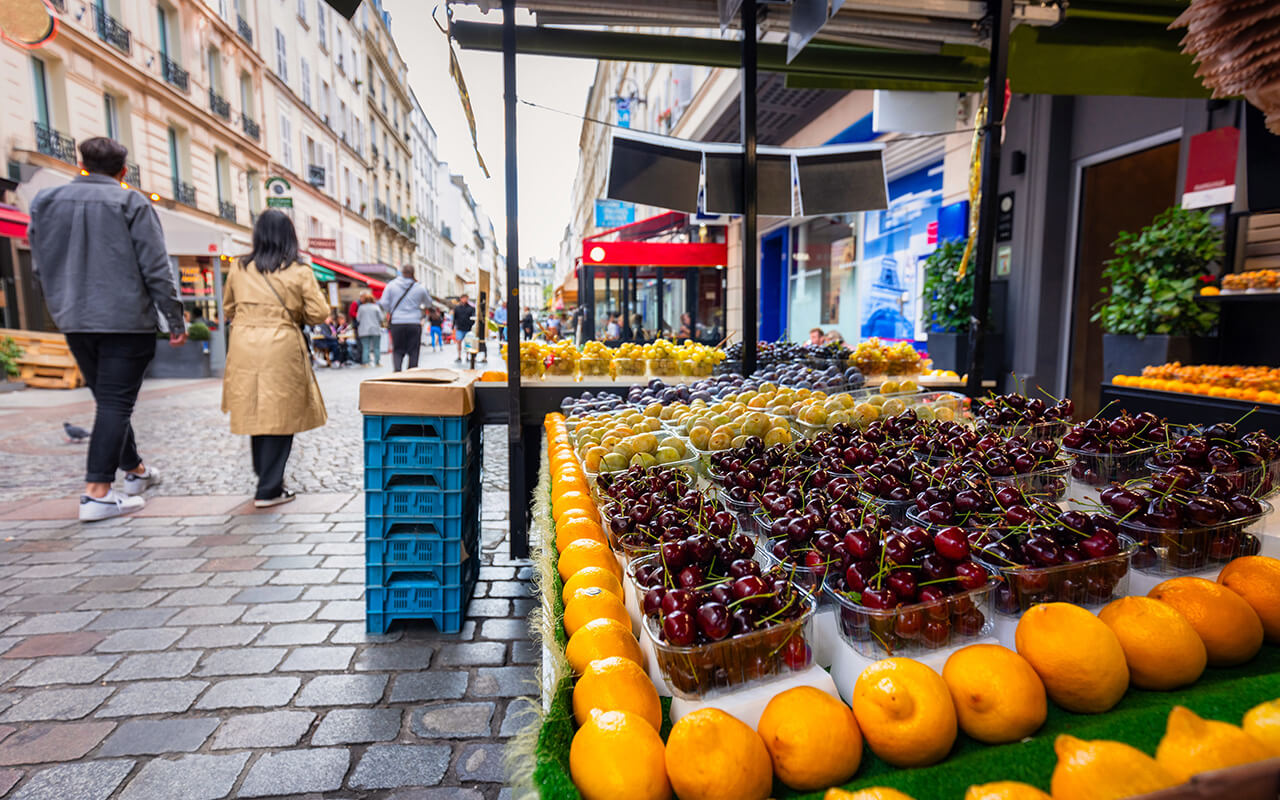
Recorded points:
(46,361)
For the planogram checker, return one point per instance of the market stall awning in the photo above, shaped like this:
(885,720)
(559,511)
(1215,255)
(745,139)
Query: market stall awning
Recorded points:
(13,223)
(323,274)
(347,272)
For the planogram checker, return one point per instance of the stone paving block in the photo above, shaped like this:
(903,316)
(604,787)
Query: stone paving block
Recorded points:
(355,633)
(357,726)
(139,640)
(8,779)
(112,583)
(47,603)
(519,716)
(524,651)
(343,690)
(187,581)
(220,539)
(268,594)
(159,542)
(94,780)
(296,772)
(305,577)
(191,777)
(352,576)
(319,659)
(66,669)
(343,610)
(434,684)
(504,682)
(292,562)
(12,667)
(242,661)
(497,573)
(54,741)
(344,562)
(489,607)
(64,622)
(153,697)
(42,571)
(472,654)
(296,633)
(481,762)
(208,615)
(440,793)
(138,618)
(114,600)
(256,577)
(217,520)
(509,589)
(334,592)
(171,566)
(504,629)
(55,644)
(175,664)
(53,704)
(270,729)
(339,549)
(453,721)
(403,657)
(139,737)
(232,558)
(212,636)
(175,553)
(269,539)
(281,612)
(249,693)
(387,766)
(202,596)
(523,606)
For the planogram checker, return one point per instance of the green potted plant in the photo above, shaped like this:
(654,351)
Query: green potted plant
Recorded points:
(948,304)
(189,361)
(1150,314)
(10,352)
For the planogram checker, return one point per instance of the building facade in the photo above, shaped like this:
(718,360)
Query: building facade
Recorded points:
(389,108)
(426,203)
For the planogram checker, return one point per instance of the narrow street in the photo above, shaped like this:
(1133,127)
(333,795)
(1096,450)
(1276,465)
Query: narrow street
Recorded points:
(203,650)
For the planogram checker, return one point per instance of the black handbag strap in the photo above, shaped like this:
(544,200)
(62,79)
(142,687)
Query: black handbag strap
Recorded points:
(398,301)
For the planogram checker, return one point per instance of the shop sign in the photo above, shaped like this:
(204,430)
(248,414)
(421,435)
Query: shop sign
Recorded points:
(315,243)
(279,192)
(1004,217)
(1004,261)
(195,281)
(614,213)
(1211,168)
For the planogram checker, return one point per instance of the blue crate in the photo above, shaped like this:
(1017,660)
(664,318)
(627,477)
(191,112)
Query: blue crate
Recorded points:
(448,527)
(410,496)
(451,479)
(379,428)
(416,595)
(404,549)
(421,453)
(446,574)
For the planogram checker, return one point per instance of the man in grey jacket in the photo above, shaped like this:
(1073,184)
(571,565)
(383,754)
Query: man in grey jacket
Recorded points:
(99,253)
(405,301)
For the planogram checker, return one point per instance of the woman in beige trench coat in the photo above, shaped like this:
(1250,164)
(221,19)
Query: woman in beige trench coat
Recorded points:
(269,386)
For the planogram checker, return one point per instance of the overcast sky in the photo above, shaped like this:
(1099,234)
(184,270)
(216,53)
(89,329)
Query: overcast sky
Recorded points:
(548,141)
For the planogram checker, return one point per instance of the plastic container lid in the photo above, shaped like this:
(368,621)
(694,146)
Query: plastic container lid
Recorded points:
(1092,582)
(878,633)
(1191,548)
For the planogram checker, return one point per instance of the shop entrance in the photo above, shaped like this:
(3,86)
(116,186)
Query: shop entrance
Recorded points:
(1121,194)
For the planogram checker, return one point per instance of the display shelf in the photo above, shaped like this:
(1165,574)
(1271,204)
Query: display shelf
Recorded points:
(1180,407)
(1240,297)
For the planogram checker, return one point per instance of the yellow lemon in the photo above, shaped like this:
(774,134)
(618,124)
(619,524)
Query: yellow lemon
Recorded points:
(1161,648)
(1076,655)
(601,638)
(998,696)
(1262,722)
(1005,790)
(713,756)
(812,737)
(616,684)
(1228,626)
(905,712)
(870,793)
(1192,745)
(618,756)
(1103,770)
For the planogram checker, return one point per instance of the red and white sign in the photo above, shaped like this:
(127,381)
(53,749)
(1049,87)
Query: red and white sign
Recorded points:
(322,244)
(655,254)
(1211,168)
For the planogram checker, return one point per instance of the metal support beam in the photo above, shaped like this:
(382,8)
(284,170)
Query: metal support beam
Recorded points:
(747,118)
(999,13)
(518,536)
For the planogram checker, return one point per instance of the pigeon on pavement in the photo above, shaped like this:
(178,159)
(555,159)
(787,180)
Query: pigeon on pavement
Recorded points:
(75,435)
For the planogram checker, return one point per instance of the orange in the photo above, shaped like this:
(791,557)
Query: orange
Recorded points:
(870,793)
(618,756)
(905,712)
(585,513)
(1005,790)
(812,738)
(713,756)
(587,553)
(1257,580)
(1161,648)
(616,684)
(1104,770)
(1228,626)
(565,480)
(601,638)
(592,576)
(592,603)
(1192,745)
(573,528)
(1076,655)
(999,697)
(1262,722)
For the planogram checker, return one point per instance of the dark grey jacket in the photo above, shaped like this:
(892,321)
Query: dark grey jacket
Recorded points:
(99,253)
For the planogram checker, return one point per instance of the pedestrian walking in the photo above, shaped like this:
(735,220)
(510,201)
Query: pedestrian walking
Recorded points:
(526,323)
(369,319)
(435,322)
(500,317)
(269,387)
(99,253)
(464,316)
(404,300)
(353,310)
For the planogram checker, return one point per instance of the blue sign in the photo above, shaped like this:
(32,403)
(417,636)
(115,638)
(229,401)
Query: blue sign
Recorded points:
(624,112)
(612,213)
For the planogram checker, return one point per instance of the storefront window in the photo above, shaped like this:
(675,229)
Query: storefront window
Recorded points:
(196,284)
(822,291)
(646,303)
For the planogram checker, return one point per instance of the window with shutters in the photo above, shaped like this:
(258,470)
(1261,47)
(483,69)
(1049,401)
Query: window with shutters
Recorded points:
(322,23)
(282,57)
(306,83)
(286,141)
(302,11)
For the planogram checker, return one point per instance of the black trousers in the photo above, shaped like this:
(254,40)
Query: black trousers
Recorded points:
(113,365)
(406,340)
(270,454)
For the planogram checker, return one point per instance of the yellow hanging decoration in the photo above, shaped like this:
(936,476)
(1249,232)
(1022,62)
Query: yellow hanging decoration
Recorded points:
(975,187)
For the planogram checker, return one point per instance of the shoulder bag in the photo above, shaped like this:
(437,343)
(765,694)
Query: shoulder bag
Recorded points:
(386,322)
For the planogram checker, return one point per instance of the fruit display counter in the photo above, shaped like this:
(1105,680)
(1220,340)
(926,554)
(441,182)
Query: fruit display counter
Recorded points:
(903,604)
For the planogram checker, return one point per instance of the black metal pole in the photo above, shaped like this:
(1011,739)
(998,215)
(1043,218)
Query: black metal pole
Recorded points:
(747,114)
(519,498)
(999,11)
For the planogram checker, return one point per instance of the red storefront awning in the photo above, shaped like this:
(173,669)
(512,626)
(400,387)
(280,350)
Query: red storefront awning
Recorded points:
(13,223)
(347,272)
(630,249)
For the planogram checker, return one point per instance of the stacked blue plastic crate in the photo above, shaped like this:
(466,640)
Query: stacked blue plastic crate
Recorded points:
(422,519)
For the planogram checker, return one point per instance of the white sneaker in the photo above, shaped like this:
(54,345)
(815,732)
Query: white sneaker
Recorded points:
(285,497)
(137,484)
(95,509)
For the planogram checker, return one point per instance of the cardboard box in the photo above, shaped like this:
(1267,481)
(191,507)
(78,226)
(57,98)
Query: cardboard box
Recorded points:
(421,392)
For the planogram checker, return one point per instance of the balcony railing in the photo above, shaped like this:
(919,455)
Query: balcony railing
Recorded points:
(250,128)
(226,210)
(113,33)
(59,5)
(54,143)
(132,175)
(219,105)
(184,192)
(375,152)
(242,28)
(315,175)
(173,74)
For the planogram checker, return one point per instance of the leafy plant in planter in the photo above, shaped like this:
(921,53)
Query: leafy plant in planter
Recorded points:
(947,302)
(10,352)
(198,332)
(1155,277)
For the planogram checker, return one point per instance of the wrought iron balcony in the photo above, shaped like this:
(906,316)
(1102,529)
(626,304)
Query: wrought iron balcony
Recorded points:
(53,143)
(227,210)
(315,175)
(184,192)
(242,28)
(132,175)
(219,105)
(113,33)
(174,74)
(375,151)
(250,128)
